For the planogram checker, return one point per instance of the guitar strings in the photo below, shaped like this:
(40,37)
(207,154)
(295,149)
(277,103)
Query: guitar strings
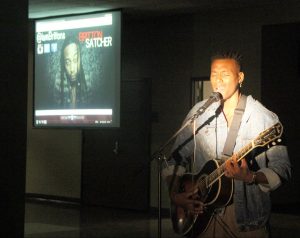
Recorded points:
(194,154)
(215,175)
(193,162)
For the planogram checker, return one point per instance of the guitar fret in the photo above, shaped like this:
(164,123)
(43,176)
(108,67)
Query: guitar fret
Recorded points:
(219,172)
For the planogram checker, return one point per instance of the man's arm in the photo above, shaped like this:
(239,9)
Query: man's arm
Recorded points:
(242,172)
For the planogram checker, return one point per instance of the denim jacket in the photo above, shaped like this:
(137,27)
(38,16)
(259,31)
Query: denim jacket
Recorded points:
(206,136)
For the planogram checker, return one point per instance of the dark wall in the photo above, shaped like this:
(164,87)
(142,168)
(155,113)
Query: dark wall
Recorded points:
(280,92)
(13,98)
(154,56)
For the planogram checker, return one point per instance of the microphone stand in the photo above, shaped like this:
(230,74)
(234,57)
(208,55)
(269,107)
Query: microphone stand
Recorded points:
(160,158)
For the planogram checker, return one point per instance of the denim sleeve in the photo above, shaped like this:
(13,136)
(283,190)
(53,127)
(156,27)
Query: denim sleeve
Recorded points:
(277,168)
(178,158)
(275,162)
(169,170)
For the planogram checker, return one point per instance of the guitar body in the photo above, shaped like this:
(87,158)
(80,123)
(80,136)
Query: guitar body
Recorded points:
(217,195)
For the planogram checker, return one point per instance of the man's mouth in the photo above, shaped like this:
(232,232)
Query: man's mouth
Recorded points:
(220,89)
(73,78)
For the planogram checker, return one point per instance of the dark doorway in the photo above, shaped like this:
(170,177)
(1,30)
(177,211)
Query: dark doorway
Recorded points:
(116,162)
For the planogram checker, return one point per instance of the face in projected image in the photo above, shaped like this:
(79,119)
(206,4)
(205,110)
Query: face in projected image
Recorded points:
(72,85)
(72,61)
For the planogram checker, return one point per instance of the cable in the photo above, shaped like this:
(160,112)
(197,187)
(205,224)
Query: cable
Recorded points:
(225,227)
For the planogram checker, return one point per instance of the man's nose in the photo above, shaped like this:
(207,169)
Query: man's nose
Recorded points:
(73,67)
(219,78)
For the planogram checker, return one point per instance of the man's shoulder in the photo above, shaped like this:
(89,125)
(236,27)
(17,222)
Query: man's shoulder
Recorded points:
(257,106)
(257,110)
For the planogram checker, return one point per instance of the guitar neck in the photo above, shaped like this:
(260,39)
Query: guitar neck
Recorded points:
(219,172)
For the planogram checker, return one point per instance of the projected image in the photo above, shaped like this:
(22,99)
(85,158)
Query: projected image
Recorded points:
(71,88)
(77,71)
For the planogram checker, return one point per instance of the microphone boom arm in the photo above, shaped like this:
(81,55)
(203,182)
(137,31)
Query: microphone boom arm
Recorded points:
(214,97)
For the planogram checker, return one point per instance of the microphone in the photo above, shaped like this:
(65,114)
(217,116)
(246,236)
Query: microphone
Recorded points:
(214,97)
(217,95)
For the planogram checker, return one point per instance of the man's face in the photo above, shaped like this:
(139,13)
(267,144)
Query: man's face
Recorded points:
(225,77)
(72,61)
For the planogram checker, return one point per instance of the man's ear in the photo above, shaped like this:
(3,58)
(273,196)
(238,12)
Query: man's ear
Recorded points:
(241,77)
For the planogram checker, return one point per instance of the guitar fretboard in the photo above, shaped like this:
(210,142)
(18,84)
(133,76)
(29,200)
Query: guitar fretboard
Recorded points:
(215,175)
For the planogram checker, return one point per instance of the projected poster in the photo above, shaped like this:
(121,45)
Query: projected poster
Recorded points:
(77,71)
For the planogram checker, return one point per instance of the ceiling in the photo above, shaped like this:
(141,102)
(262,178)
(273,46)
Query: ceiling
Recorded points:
(47,8)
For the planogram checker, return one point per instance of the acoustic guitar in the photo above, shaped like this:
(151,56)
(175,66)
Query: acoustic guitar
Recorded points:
(214,189)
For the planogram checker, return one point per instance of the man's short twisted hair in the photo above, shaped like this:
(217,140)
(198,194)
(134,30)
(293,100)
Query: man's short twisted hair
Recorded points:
(234,55)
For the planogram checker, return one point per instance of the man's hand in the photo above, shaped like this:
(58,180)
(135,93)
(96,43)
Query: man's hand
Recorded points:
(189,201)
(236,171)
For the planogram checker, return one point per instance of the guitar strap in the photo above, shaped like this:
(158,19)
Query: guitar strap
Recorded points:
(235,126)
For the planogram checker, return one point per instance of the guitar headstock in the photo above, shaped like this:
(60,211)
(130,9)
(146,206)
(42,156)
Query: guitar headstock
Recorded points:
(272,134)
